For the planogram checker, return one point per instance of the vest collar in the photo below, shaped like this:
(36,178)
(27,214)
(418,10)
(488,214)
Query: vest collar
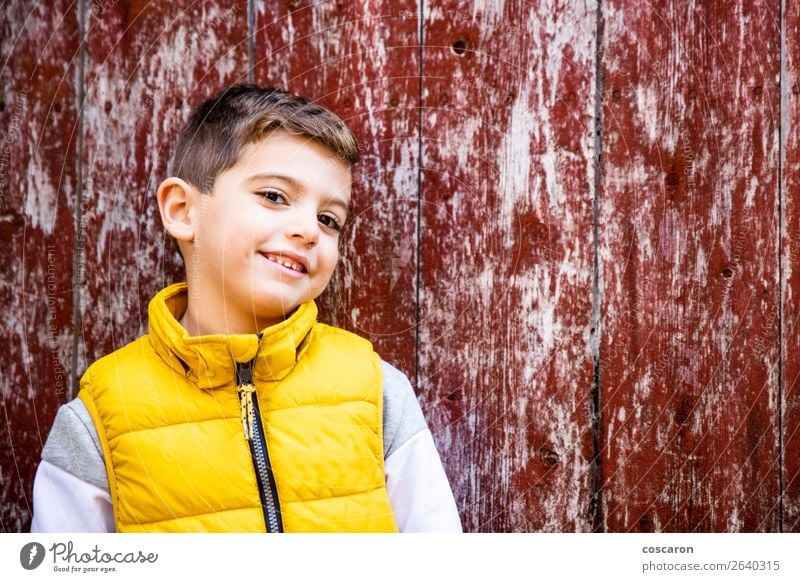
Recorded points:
(210,360)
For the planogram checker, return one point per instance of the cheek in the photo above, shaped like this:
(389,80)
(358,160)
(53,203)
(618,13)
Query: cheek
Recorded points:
(243,234)
(329,259)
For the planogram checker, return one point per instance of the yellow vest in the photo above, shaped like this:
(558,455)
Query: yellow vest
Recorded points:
(173,419)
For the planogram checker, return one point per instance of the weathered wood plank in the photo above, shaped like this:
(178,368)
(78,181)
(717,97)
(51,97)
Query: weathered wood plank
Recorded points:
(361,61)
(689,229)
(38,183)
(507,257)
(790,332)
(147,64)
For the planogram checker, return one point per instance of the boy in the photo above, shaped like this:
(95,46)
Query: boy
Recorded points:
(238,411)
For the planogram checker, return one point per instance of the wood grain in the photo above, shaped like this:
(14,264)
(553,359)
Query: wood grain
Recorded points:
(790,329)
(506,259)
(38,186)
(689,238)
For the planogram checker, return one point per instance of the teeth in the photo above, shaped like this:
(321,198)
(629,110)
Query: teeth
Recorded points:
(285,262)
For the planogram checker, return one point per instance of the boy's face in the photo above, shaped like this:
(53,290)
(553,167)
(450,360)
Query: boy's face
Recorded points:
(267,238)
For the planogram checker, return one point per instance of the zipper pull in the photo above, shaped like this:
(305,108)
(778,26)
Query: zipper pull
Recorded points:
(246,388)
(246,401)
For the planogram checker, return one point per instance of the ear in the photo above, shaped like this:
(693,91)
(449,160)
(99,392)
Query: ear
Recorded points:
(177,200)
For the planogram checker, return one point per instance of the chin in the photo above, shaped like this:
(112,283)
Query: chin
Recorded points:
(276,309)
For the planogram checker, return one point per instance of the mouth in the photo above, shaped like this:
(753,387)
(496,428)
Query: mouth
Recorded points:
(286,262)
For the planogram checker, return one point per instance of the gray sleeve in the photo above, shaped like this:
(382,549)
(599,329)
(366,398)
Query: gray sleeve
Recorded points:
(402,415)
(73,446)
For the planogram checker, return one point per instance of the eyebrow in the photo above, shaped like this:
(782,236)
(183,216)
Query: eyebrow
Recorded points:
(330,200)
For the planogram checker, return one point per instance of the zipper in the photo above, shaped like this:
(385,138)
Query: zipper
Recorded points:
(254,434)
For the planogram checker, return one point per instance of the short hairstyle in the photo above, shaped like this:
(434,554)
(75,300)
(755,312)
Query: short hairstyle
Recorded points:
(219,128)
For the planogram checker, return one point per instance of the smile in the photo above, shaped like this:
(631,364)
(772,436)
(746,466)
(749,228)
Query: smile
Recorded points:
(285,262)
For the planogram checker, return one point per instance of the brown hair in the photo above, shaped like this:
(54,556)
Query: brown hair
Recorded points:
(219,128)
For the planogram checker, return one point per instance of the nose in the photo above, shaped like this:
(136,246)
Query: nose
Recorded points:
(304,226)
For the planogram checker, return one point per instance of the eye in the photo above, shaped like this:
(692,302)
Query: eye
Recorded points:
(273,196)
(330,221)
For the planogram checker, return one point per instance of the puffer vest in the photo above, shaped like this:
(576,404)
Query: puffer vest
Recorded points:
(280,431)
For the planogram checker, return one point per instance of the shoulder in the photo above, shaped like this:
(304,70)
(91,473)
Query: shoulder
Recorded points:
(129,357)
(402,415)
(396,386)
(73,445)
(340,349)
(134,360)
(322,332)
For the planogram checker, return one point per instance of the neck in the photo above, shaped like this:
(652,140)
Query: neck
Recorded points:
(198,321)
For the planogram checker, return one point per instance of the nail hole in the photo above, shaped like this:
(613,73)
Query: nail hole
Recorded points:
(460,47)
(727,273)
(672,179)
(107,107)
(549,457)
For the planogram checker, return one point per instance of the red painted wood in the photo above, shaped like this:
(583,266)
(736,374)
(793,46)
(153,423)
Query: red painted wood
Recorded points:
(361,61)
(689,261)
(790,335)
(37,195)
(148,63)
(506,259)
(484,275)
